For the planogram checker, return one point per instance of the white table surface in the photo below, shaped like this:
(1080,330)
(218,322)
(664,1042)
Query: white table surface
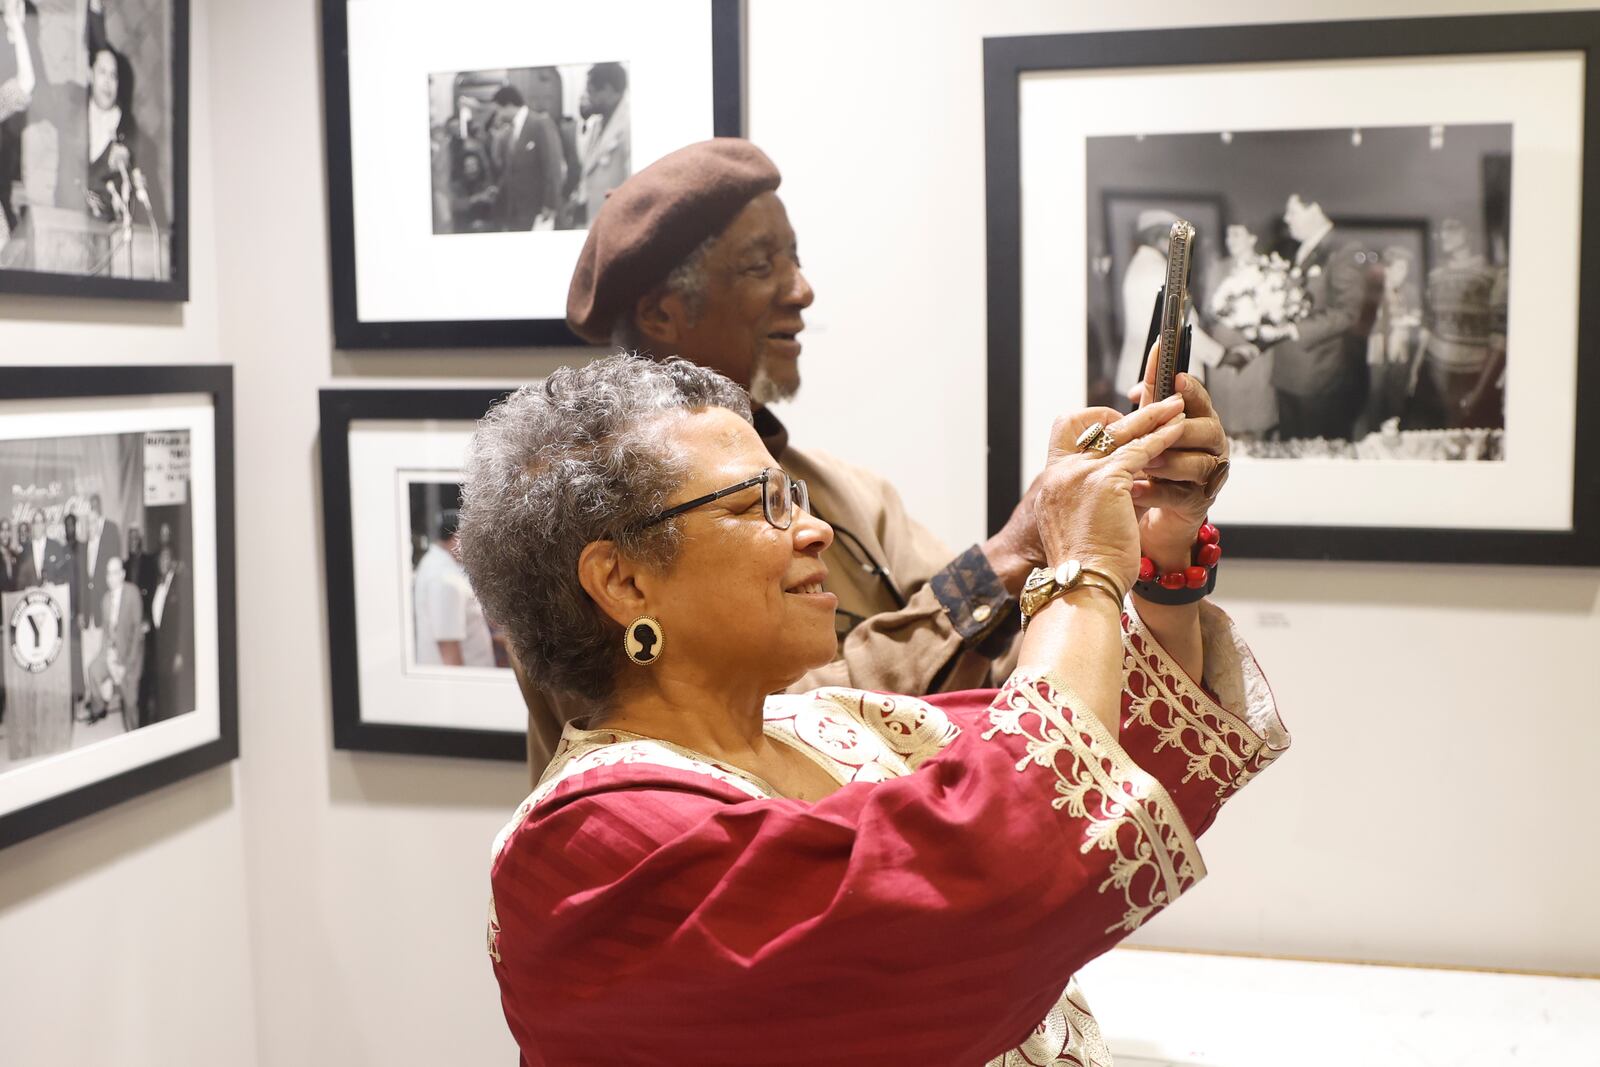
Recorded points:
(1187,1010)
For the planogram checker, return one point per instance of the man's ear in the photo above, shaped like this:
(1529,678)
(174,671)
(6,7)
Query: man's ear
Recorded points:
(661,315)
(610,579)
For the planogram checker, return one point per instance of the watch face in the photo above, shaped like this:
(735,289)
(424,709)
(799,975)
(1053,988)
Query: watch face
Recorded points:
(1067,574)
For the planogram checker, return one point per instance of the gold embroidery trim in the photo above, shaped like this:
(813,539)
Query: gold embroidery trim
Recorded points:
(1244,751)
(1127,794)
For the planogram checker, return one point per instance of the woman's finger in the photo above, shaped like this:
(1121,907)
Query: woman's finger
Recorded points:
(1064,434)
(1065,430)
(1196,399)
(1178,464)
(1144,420)
(1203,433)
(1173,495)
(1136,454)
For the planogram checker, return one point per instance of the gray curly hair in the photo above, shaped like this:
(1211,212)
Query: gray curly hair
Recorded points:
(556,466)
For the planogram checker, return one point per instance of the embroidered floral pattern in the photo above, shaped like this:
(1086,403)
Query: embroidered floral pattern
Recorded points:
(1221,746)
(494,932)
(1126,810)
(1068,1037)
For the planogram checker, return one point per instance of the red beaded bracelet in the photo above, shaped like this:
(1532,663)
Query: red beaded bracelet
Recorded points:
(1200,575)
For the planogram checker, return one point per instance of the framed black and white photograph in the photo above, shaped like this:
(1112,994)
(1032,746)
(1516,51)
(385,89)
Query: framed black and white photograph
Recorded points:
(469,147)
(94,148)
(1386,289)
(417,667)
(116,586)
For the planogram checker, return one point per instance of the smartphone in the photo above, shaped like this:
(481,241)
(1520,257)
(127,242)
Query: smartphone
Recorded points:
(1169,319)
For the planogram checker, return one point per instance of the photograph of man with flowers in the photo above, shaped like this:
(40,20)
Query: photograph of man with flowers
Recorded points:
(1349,288)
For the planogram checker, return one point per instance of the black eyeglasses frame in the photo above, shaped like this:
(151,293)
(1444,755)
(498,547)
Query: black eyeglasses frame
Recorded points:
(801,501)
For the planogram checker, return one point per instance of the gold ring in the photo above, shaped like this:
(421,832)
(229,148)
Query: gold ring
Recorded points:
(1098,438)
(1087,438)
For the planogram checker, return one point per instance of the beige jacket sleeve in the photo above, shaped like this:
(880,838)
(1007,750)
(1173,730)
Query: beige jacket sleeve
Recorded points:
(956,619)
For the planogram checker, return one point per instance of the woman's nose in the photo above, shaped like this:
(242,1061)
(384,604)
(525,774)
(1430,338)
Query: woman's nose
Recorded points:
(811,534)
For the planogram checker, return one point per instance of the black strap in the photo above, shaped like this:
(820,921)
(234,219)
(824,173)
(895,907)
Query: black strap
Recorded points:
(1157,593)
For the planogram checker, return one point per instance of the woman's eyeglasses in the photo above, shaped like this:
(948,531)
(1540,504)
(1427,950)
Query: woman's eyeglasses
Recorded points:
(780,496)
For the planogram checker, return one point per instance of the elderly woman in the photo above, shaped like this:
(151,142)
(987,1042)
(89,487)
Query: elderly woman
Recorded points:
(709,874)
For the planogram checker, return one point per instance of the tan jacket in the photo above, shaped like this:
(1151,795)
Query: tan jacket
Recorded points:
(934,626)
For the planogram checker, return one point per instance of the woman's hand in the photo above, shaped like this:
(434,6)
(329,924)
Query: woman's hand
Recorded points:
(1085,504)
(1179,487)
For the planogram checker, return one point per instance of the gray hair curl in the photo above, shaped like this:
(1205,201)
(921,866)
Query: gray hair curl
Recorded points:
(555,466)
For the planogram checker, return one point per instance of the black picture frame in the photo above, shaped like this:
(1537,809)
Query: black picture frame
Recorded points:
(1007,59)
(174,288)
(350,331)
(215,380)
(339,408)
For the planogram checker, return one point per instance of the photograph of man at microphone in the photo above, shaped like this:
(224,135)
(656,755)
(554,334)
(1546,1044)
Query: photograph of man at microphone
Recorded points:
(86,137)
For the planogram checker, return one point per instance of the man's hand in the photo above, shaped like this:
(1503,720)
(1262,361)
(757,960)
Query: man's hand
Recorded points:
(119,157)
(1240,356)
(1017,549)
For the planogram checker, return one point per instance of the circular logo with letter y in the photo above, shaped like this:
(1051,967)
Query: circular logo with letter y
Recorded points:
(38,631)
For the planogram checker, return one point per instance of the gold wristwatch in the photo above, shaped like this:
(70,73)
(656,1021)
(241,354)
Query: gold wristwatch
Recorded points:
(1044,584)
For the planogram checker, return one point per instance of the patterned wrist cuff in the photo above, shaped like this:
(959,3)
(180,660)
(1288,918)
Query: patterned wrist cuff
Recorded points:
(971,594)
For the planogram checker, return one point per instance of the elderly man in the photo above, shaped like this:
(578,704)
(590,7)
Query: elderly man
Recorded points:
(694,257)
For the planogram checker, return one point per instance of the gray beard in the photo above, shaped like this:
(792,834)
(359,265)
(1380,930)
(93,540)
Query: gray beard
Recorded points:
(763,390)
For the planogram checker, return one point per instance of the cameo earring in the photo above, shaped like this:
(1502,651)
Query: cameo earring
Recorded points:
(643,641)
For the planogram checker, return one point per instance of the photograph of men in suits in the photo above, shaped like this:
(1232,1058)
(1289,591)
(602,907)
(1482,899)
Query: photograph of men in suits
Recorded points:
(115,670)
(528,150)
(104,546)
(71,574)
(1320,360)
(606,147)
(10,570)
(169,645)
(10,557)
(140,568)
(1325,303)
(43,558)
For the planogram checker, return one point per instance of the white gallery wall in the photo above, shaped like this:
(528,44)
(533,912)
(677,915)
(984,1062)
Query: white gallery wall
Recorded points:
(126,938)
(311,907)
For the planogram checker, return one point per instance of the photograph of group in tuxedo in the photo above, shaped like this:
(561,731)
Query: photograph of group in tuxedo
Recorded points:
(76,515)
(447,625)
(1351,299)
(531,148)
(86,130)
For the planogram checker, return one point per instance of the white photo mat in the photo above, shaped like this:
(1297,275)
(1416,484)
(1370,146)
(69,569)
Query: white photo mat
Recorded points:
(386,457)
(405,272)
(1541,95)
(52,776)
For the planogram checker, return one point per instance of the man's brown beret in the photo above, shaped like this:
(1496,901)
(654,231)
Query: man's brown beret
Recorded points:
(651,222)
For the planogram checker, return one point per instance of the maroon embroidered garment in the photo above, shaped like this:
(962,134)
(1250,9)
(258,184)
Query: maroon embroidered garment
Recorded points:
(653,906)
